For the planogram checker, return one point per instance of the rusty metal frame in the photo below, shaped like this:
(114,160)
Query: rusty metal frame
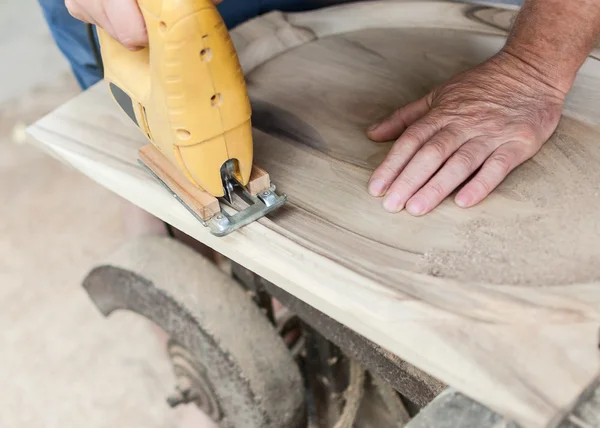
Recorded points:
(417,386)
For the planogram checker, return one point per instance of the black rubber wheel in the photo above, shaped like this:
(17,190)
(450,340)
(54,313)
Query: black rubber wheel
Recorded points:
(227,357)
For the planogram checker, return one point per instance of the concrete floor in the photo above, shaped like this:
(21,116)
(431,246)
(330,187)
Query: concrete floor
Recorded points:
(61,363)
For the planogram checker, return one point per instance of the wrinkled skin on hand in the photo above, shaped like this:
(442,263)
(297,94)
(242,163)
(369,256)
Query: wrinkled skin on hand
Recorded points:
(121,19)
(494,116)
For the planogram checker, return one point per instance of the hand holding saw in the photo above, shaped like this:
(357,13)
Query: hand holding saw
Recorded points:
(186,92)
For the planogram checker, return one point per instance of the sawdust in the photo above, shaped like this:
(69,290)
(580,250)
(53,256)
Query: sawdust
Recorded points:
(556,242)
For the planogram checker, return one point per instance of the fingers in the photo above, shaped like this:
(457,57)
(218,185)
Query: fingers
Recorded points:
(127,22)
(395,124)
(78,12)
(121,19)
(494,170)
(420,168)
(457,169)
(400,154)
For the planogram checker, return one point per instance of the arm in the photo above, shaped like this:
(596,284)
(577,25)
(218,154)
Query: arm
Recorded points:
(494,116)
(555,37)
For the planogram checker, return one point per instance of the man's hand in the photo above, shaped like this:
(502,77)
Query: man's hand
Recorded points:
(494,116)
(121,19)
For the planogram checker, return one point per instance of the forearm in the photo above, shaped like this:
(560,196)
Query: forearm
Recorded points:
(555,37)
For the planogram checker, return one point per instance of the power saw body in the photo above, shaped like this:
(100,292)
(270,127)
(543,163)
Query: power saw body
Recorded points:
(187,94)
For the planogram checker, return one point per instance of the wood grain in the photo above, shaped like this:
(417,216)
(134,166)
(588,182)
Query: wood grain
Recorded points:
(500,301)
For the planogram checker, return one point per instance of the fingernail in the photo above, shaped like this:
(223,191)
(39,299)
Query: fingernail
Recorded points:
(392,203)
(373,127)
(463,200)
(416,206)
(376,187)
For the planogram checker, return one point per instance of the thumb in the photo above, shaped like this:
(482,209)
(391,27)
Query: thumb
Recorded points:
(395,124)
(125,23)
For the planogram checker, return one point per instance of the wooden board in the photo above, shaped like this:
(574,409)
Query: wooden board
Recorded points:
(501,301)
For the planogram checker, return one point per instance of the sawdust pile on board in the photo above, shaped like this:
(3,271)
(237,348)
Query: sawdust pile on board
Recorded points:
(525,251)
(557,244)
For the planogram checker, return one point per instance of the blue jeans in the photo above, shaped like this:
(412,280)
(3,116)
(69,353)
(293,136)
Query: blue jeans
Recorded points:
(72,39)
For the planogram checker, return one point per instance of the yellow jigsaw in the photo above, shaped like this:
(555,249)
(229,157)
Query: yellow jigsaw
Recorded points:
(186,92)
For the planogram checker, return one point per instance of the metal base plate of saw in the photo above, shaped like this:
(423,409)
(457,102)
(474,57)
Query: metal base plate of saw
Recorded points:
(259,194)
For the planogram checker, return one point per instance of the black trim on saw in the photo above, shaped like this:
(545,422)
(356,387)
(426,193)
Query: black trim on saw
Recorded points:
(124,101)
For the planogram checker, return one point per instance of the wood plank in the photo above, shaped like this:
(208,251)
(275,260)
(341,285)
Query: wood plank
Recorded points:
(501,301)
(259,180)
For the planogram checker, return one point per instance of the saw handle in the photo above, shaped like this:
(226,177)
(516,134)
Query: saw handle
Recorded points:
(186,91)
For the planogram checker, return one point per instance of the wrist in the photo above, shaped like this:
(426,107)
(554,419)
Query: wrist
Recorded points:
(554,38)
(521,61)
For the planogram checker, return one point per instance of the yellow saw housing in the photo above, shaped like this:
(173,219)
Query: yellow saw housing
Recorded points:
(186,91)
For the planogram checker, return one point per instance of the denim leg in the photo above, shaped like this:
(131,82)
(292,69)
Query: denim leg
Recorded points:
(71,38)
(235,12)
(296,5)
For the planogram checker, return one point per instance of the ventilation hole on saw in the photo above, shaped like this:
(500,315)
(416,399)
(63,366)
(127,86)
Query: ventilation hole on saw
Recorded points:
(184,134)
(162,26)
(216,100)
(206,54)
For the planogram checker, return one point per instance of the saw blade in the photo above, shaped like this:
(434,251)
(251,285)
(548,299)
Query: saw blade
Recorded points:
(229,180)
